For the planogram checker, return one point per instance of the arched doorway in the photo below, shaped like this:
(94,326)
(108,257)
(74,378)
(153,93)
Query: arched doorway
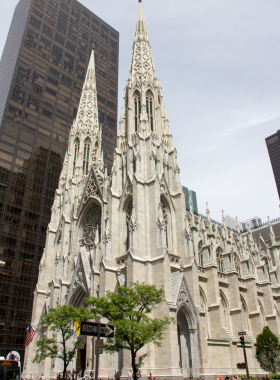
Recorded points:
(78,299)
(185,343)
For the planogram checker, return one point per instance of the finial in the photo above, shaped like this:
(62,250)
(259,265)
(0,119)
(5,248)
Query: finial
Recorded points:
(181,267)
(268,219)
(93,46)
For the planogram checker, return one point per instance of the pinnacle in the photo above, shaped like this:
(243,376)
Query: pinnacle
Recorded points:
(140,25)
(87,115)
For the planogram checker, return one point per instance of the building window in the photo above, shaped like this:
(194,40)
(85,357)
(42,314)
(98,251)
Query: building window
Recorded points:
(149,108)
(137,110)
(76,151)
(86,156)
(220,259)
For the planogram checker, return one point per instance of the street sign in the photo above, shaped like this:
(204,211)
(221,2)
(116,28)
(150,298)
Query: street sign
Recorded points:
(90,328)
(99,346)
(242,333)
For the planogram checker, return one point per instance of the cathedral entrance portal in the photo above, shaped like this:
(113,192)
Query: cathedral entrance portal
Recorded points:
(185,344)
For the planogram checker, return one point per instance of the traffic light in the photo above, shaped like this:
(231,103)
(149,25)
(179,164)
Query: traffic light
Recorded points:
(242,341)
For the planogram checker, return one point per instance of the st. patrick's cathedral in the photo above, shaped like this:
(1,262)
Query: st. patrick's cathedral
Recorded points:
(132,225)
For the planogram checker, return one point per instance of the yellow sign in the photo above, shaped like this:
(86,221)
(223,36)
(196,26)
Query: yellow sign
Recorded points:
(77,326)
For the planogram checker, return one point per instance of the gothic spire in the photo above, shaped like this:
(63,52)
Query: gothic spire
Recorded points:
(87,115)
(142,65)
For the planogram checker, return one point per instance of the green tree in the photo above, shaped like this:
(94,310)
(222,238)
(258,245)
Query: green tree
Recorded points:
(268,351)
(61,321)
(128,309)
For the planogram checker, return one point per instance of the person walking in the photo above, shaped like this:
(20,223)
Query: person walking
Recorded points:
(129,374)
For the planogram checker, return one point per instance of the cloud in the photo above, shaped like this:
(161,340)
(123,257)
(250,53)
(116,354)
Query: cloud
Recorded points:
(248,118)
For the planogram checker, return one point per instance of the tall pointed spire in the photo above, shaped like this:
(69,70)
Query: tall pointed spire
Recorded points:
(142,61)
(87,115)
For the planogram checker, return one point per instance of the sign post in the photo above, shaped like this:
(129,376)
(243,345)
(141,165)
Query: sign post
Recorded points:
(98,330)
(97,355)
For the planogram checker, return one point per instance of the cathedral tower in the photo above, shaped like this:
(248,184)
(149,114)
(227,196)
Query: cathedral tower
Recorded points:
(132,225)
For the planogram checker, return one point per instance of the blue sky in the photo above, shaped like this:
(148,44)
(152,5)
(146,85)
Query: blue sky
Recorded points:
(219,66)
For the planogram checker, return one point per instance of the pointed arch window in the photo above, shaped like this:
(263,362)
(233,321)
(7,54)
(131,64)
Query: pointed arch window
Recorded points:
(149,109)
(137,110)
(86,156)
(224,312)
(76,151)
(244,314)
(220,259)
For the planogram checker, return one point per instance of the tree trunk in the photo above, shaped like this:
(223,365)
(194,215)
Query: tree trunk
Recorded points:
(64,370)
(133,364)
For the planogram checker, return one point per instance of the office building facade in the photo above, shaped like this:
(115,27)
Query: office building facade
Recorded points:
(42,72)
(273,147)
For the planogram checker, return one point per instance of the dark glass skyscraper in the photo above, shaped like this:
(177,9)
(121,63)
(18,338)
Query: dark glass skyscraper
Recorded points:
(273,147)
(42,71)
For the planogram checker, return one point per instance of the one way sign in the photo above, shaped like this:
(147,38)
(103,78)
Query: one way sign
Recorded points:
(91,328)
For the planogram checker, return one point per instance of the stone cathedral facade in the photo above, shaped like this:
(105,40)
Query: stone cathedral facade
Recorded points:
(131,225)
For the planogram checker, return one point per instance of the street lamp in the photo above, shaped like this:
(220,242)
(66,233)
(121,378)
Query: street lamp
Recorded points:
(2,263)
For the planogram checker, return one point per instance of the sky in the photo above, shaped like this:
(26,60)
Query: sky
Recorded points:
(219,66)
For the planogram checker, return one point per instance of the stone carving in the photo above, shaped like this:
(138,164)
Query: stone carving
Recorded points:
(80,276)
(183,296)
(91,228)
(163,189)
(94,186)
(129,211)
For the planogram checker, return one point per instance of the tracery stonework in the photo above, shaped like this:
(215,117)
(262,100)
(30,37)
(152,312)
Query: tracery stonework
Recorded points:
(91,227)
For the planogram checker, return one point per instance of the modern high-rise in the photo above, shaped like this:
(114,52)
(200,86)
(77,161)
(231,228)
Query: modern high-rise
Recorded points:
(273,147)
(42,72)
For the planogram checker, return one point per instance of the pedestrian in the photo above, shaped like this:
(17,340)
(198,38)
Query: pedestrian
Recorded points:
(130,374)
(73,374)
(150,377)
(42,377)
(139,375)
(31,377)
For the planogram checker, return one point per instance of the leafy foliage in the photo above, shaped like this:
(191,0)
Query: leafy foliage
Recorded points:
(61,321)
(128,309)
(268,351)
